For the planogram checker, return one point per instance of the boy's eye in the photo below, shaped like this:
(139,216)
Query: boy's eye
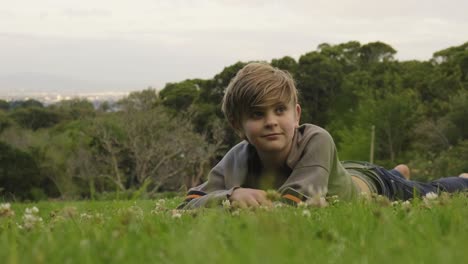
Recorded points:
(280,109)
(256,114)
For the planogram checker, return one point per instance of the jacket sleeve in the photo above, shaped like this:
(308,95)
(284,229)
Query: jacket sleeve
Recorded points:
(209,194)
(223,179)
(311,173)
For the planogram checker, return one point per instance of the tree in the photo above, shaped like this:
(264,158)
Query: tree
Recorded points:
(35,117)
(451,161)
(347,54)
(436,135)
(286,63)
(26,104)
(179,96)
(75,108)
(140,100)
(18,173)
(206,110)
(164,149)
(318,81)
(108,149)
(417,75)
(213,91)
(5,121)
(375,52)
(4,105)
(394,117)
(449,76)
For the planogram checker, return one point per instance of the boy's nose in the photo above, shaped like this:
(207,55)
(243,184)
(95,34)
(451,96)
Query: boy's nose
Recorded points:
(270,120)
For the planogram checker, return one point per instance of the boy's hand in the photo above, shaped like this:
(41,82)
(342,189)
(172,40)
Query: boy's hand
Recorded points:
(245,197)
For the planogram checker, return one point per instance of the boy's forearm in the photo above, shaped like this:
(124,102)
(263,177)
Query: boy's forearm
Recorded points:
(211,199)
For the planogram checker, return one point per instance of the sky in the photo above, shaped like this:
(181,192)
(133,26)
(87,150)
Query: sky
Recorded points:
(127,45)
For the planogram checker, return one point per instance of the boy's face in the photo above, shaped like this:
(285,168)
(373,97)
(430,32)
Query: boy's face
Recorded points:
(271,129)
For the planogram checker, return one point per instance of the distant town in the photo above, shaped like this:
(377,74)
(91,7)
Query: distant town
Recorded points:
(48,98)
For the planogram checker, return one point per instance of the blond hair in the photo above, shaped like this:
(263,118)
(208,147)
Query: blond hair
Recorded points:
(256,85)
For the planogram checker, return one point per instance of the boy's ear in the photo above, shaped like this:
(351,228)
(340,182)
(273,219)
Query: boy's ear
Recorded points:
(298,114)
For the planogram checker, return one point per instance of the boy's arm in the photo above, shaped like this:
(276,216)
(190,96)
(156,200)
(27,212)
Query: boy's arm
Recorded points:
(311,173)
(199,196)
(223,179)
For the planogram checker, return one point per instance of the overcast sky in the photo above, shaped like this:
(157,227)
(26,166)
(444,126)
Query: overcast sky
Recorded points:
(133,44)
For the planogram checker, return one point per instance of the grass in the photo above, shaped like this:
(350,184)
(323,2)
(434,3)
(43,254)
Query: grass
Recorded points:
(145,231)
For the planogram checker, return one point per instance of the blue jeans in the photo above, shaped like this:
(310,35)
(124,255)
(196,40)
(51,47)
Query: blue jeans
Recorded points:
(396,187)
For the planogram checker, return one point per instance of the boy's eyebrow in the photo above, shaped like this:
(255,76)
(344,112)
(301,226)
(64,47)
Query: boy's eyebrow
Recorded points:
(280,104)
(263,107)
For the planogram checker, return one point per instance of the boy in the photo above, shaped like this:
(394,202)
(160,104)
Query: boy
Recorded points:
(261,105)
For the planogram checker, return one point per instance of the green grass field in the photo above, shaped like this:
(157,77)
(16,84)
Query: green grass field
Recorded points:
(146,231)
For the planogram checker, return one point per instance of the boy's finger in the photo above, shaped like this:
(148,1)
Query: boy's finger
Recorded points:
(264,201)
(239,204)
(252,202)
(268,202)
(260,195)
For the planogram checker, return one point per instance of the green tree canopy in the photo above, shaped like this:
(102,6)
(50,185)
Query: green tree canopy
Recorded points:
(75,108)
(26,104)
(375,52)
(4,105)
(286,63)
(318,80)
(179,96)
(19,172)
(140,100)
(35,117)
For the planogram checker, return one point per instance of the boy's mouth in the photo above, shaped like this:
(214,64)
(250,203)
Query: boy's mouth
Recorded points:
(272,135)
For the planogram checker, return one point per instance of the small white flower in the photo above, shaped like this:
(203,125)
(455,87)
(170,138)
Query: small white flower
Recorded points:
(235,213)
(85,216)
(264,207)
(155,212)
(132,212)
(317,201)
(32,210)
(5,210)
(176,214)
(5,206)
(29,218)
(306,213)
(431,196)
(365,196)
(278,204)
(159,207)
(160,202)
(30,221)
(406,204)
(226,204)
(334,199)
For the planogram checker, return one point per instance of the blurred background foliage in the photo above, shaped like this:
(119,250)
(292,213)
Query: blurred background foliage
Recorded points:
(167,140)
